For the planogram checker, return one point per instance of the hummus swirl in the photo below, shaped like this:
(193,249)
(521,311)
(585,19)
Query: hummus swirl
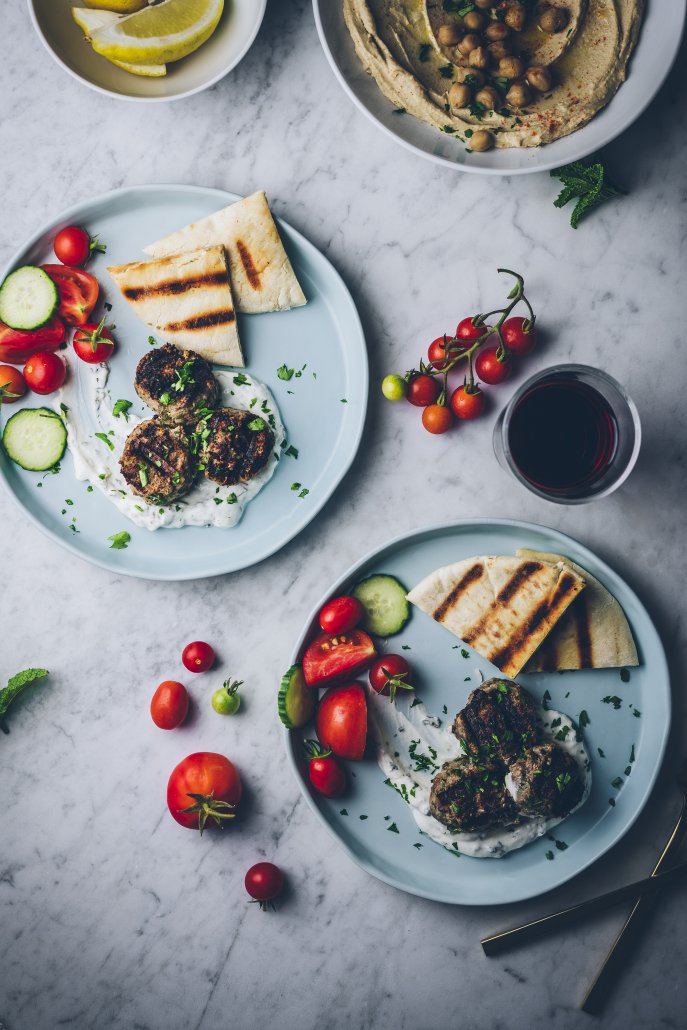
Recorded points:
(397,43)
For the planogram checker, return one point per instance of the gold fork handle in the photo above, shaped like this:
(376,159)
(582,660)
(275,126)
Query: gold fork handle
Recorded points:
(600,988)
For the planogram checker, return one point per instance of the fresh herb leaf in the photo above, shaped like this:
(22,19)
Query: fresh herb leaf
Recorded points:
(291,451)
(586,182)
(105,438)
(120,541)
(584,718)
(257,424)
(612,699)
(241,380)
(548,855)
(393,828)
(284,373)
(122,408)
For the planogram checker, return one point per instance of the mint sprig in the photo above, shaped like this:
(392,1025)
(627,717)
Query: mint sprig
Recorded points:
(588,183)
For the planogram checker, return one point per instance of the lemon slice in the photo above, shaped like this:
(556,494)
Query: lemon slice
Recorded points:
(89,21)
(150,71)
(118,6)
(166,32)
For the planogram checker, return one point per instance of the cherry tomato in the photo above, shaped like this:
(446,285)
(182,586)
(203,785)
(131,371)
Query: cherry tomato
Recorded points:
(94,343)
(169,705)
(437,418)
(198,656)
(341,614)
(518,338)
(226,700)
(45,372)
(467,404)
(217,783)
(78,292)
(465,330)
(17,345)
(389,674)
(73,246)
(394,387)
(436,352)
(12,384)
(264,882)
(423,390)
(326,774)
(343,654)
(341,721)
(490,368)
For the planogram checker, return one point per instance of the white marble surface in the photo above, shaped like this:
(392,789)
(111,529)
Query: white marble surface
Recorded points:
(110,914)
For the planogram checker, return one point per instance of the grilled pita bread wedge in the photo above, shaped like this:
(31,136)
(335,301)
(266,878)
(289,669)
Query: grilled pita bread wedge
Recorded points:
(592,634)
(187,299)
(261,273)
(501,606)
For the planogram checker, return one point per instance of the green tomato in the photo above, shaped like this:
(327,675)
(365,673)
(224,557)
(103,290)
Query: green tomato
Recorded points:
(226,700)
(394,387)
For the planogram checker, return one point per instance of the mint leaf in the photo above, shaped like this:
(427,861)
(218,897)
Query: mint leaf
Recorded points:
(588,183)
(119,540)
(122,408)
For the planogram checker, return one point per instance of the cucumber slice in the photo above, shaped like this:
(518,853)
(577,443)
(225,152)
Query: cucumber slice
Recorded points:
(28,298)
(35,438)
(385,603)
(296,701)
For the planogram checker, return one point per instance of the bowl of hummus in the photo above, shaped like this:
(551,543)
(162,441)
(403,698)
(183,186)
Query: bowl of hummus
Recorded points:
(502,86)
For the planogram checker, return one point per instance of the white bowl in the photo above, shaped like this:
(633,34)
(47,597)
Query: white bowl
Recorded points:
(230,41)
(656,51)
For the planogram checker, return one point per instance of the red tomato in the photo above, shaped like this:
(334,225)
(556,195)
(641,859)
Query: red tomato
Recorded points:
(341,721)
(467,404)
(198,656)
(437,353)
(519,339)
(12,384)
(423,390)
(264,882)
(326,774)
(341,614)
(466,331)
(330,657)
(45,372)
(73,246)
(17,345)
(94,343)
(437,418)
(217,783)
(490,368)
(78,292)
(389,674)
(169,705)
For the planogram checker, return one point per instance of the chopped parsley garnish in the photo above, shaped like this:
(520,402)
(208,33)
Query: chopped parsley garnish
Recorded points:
(152,341)
(303,493)
(561,845)
(240,379)
(165,398)
(405,647)
(343,811)
(393,828)
(602,754)
(295,486)
(119,540)
(257,424)
(399,110)
(231,499)
(122,407)
(636,712)
(549,856)
(625,675)
(183,377)
(611,802)
(417,845)
(143,473)
(617,782)
(362,817)
(284,373)
(105,439)
(612,699)
(291,452)
(584,718)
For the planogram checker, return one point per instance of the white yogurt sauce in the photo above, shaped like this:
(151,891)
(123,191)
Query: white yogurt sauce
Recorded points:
(405,742)
(89,411)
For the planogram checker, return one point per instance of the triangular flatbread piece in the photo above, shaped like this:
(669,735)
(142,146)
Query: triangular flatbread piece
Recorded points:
(187,299)
(501,606)
(261,273)
(592,634)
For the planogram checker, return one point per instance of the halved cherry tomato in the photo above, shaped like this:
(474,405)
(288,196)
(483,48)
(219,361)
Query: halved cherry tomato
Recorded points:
(12,384)
(326,774)
(94,343)
(17,345)
(437,418)
(423,390)
(45,372)
(330,657)
(341,614)
(519,335)
(78,291)
(341,721)
(203,791)
(73,245)
(467,404)
(169,705)
(465,330)
(198,656)
(491,368)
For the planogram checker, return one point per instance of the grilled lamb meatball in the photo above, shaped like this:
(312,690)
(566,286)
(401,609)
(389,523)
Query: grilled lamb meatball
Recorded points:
(546,782)
(498,721)
(471,797)
(157,462)
(235,445)
(175,383)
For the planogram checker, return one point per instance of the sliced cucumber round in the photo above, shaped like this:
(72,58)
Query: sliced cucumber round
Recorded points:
(35,439)
(385,603)
(296,701)
(28,298)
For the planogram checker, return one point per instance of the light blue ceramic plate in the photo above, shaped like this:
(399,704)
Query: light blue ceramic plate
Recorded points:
(323,406)
(444,677)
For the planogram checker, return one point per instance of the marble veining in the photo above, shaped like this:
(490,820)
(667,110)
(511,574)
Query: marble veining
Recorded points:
(111,916)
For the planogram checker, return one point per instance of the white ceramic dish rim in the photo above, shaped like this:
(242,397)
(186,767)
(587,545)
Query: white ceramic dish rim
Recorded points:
(513,524)
(148,100)
(576,154)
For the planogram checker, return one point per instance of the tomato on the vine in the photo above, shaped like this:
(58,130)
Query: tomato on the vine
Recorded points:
(437,418)
(436,353)
(423,390)
(94,343)
(389,674)
(467,331)
(45,372)
(169,705)
(226,700)
(198,656)
(341,614)
(326,774)
(203,791)
(394,387)
(264,881)
(491,367)
(467,402)
(519,335)
(12,384)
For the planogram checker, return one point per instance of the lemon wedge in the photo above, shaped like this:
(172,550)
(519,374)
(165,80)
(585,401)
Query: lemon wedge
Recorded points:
(150,71)
(117,6)
(89,21)
(166,32)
